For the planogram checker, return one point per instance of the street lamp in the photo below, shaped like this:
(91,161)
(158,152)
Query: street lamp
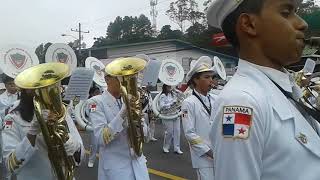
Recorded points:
(69,35)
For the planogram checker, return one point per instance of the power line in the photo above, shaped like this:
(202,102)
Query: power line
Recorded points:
(80,36)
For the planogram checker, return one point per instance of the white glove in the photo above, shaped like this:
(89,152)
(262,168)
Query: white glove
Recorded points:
(71,146)
(34,128)
(45,114)
(123,111)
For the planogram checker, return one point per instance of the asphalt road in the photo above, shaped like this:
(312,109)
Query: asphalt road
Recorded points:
(161,166)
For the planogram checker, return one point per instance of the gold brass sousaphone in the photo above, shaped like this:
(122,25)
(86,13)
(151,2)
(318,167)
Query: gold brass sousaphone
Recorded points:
(45,79)
(127,69)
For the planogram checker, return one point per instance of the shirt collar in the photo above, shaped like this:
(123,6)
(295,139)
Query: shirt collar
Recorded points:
(282,78)
(9,94)
(201,95)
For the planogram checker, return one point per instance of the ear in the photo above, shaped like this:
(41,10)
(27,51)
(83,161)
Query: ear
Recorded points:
(248,24)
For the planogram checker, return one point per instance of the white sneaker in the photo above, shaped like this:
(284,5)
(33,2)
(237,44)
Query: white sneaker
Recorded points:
(178,151)
(165,150)
(90,164)
(153,139)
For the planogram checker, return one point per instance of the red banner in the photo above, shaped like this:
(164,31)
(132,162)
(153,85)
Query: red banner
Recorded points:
(219,40)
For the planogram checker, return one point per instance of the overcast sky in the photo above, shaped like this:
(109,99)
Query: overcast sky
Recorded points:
(32,22)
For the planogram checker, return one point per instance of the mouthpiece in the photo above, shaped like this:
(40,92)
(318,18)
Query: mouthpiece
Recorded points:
(313,41)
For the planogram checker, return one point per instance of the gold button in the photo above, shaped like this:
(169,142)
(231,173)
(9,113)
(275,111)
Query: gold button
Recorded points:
(303,138)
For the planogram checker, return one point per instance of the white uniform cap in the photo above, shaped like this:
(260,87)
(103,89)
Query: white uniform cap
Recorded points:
(203,64)
(219,10)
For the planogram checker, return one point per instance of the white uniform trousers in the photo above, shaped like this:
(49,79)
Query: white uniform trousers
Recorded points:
(150,127)
(205,173)
(134,171)
(172,131)
(93,147)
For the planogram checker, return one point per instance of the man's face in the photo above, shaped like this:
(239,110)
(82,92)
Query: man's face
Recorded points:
(280,31)
(113,83)
(11,87)
(205,82)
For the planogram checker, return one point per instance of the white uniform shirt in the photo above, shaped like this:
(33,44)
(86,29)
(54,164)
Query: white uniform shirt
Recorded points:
(197,125)
(270,139)
(166,101)
(6,100)
(35,164)
(117,154)
(149,105)
(166,104)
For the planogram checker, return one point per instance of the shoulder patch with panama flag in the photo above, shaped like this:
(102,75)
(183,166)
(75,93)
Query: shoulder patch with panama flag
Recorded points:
(8,124)
(236,122)
(93,107)
(184,113)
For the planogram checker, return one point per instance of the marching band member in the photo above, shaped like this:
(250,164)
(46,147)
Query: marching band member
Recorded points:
(172,126)
(148,115)
(260,129)
(117,161)
(24,148)
(94,91)
(8,97)
(196,112)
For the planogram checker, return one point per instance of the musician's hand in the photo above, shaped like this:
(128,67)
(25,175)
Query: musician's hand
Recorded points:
(34,128)
(71,146)
(47,115)
(123,111)
(209,154)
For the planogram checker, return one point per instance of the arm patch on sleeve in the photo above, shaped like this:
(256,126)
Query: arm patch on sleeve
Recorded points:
(236,122)
(93,107)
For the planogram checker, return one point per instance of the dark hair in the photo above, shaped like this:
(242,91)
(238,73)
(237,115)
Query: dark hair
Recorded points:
(164,89)
(6,79)
(92,90)
(195,76)
(230,22)
(26,106)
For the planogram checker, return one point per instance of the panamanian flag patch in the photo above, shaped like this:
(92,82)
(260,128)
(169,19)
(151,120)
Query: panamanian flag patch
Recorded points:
(236,122)
(93,107)
(8,124)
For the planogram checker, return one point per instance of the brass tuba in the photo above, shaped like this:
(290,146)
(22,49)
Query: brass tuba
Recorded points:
(44,80)
(311,92)
(127,69)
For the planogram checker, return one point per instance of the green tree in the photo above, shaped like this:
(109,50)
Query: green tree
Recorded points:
(195,15)
(307,7)
(167,33)
(41,51)
(126,30)
(182,11)
(196,30)
(114,30)
(178,12)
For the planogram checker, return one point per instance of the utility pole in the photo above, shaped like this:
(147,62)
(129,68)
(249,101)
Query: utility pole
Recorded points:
(81,61)
(154,14)
(80,36)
